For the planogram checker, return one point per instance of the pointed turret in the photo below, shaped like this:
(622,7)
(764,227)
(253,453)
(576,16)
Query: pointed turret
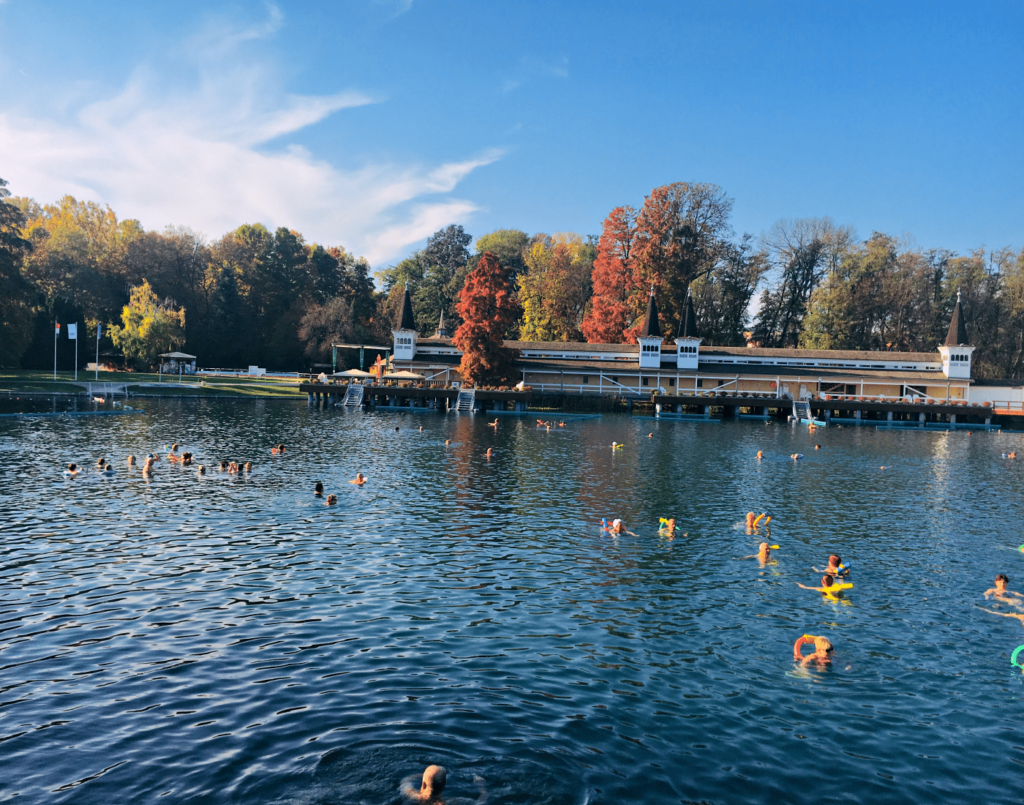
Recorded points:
(442,331)
(651,328)
(956,352)
(650,337)
(688,323)
(405,333)
(957,335)
(408,321)
(688,340)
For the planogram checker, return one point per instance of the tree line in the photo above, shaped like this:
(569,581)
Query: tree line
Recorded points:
(272,299)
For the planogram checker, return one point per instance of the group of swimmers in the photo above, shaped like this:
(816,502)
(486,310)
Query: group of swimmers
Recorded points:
(184,458)
(332,499)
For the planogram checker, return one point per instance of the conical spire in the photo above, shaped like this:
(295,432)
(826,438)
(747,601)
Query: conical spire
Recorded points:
(442,331)
(408,321)
(651,328)
(957,335)
(688,323)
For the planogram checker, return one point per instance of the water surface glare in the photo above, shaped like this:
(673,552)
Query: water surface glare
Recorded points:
(232,639)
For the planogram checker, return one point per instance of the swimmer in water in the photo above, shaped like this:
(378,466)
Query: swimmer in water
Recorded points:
(173,455)
(764,550)
(823,649)
(101,464)
(1001,593)
(561,424)
(650,435)
(617,446)
(331,500)
(108,470)
(223,465)
(147,468)
(421,428)
(131,461)
(72,470)
(835,567)
(201,470)
(668,527)
(233,468)
(618,528)
(186,459)
(447,442)
(248,467)
(359,480)
(432,783)
(797,456)
(760,455)
(817,447)
(277,451)
(493,424)
(318,489)
(490,453)
(827,583)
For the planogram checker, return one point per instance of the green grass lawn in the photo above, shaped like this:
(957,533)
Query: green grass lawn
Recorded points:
(148,383)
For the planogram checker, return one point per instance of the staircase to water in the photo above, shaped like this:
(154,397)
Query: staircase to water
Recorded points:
(466,400)
(353,395)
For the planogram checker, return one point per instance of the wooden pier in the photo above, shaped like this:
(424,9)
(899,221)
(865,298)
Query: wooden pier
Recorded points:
(416,398)
(867,411)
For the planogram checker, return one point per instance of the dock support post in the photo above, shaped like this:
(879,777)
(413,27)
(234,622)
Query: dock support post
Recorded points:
(857,415)
(988,420)
(309,399)
(888,417)
(952,419)
(679,408)
(657,409)
(707,412)
(920,418)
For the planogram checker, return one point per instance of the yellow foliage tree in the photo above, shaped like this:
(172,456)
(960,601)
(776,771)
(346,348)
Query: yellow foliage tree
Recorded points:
(147,326)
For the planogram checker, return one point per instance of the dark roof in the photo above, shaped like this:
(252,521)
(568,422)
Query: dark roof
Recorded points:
(726,370)
(957,335)
(688,324)
(408,321)
(822,354)
(651,328)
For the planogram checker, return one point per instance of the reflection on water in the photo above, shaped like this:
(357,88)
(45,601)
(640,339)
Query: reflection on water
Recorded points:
(230,638)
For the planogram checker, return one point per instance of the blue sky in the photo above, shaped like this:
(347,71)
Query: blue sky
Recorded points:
(372,123)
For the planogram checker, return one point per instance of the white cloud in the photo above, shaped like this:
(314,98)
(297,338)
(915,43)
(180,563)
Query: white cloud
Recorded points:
(198,156)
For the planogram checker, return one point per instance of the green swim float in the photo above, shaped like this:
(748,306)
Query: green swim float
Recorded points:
(1013,657)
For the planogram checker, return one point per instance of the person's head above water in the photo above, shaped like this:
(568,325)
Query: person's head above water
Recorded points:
(1001,581)
(331,500)
(434,779)
(827,581)
(318,489)
(834,561)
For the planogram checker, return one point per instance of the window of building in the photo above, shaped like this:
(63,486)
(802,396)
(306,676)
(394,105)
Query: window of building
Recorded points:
(671,381)
(586,380)
(644,381)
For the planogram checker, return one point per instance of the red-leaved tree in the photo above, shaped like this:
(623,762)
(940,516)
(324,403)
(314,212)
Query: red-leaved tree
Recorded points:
(615,286)
(488,309)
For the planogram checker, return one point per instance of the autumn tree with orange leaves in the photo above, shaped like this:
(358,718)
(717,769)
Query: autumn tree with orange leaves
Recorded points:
(488,309)
(611,306)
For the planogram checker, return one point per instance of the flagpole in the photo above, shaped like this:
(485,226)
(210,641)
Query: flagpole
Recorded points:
(76,355)
(99,327)
(56,332)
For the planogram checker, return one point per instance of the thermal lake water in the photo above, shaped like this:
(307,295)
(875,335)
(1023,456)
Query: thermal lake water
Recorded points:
(232,639)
